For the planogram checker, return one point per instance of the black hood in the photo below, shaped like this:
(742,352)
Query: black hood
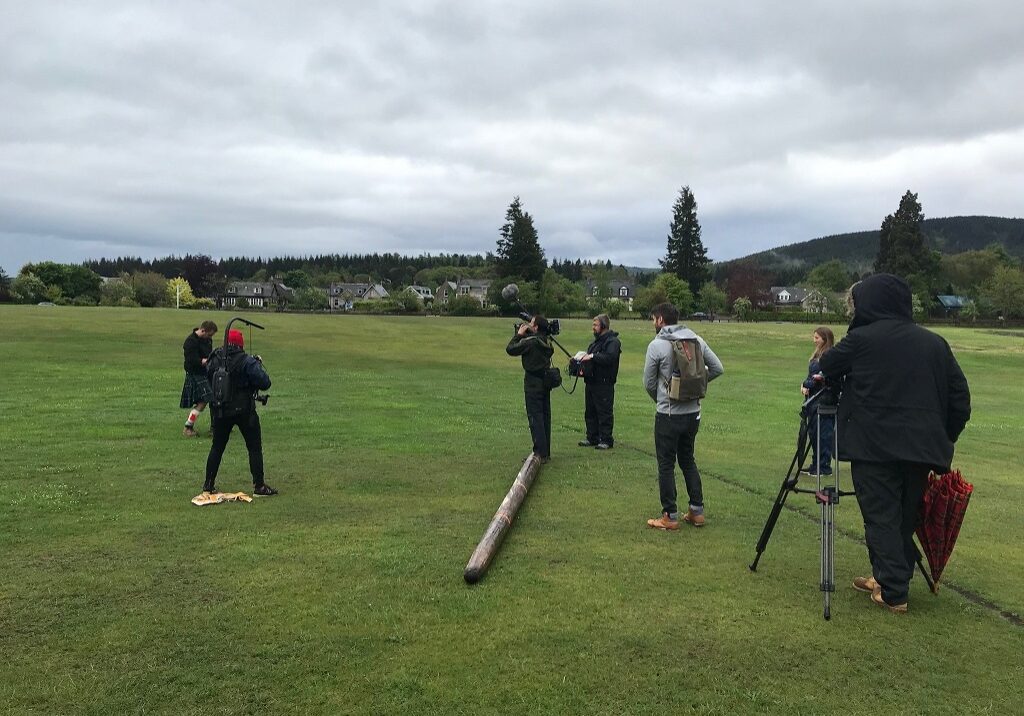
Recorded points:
(879,297)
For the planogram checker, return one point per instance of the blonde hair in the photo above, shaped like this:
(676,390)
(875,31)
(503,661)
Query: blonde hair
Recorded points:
(829,339)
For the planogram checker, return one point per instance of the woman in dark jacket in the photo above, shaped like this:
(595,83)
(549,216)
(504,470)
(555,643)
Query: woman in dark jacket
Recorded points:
(824,339)
(905,402)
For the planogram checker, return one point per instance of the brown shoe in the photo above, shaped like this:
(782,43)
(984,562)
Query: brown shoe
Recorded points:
(664,523)
(695,520)
(189,432)
(876,597)
(864,584)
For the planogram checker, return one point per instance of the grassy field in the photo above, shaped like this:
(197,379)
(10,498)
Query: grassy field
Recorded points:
(392,441)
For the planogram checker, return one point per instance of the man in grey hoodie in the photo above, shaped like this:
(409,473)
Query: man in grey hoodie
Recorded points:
(676,422)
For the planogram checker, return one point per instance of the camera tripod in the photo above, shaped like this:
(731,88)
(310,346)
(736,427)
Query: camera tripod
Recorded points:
(826,495)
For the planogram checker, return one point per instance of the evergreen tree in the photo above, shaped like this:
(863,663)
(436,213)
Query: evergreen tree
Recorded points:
(901,246)
(686,256)
(5,285)
(519,254)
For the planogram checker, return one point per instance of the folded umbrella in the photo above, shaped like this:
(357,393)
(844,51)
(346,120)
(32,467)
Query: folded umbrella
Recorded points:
(942,515)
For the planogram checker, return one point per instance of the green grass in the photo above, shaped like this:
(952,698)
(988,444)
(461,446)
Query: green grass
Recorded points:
(393,440)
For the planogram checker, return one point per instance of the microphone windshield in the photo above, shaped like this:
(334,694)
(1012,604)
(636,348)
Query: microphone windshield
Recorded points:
(510,292)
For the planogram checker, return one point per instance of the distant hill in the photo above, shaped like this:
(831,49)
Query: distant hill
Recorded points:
(951,235)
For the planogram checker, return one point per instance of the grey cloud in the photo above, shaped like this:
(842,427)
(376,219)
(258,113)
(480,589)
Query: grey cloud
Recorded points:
(345,126)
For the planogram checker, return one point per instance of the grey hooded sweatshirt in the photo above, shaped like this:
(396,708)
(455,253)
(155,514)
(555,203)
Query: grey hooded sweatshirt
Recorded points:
(658,368)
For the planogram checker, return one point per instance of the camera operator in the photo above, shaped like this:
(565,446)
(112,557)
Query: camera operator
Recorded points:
(905,402)
(247,376)
(531,342)
(600,370)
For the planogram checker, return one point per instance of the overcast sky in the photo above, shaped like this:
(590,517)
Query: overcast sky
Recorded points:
(274,128)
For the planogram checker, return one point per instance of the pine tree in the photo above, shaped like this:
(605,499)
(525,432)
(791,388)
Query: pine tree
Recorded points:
(519,254)
(901,244)
(686,256)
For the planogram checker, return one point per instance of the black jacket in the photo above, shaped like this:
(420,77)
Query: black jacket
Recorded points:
(905,396)
(247,376)
(603,368)
(195,349)
(536,352)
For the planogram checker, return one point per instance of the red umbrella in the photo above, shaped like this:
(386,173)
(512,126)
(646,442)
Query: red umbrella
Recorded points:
(942,514)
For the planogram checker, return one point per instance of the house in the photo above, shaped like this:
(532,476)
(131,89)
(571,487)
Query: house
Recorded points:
(808,300)
(815,302)
(257,294)
(445,292)
(475,287)
(618,290)
(952,304)
(343,295)
(784,297)
(424,292)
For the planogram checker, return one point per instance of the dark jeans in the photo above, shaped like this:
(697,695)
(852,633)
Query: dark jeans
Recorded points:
(249,425)
(538,412)
(822,462)
(600,401)
(890,494)
(673,441)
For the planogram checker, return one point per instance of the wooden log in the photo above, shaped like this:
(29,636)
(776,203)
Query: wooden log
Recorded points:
(502,521)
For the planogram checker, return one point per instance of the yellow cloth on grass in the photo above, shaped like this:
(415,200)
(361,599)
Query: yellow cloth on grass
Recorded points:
(215,498)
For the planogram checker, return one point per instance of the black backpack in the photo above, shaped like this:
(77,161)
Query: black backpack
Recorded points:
(229,396)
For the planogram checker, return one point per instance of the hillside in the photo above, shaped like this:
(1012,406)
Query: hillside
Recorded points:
(950,235)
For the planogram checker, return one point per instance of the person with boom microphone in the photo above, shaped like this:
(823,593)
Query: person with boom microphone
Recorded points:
(905,402)
(532,344)
(247,375)
(600,370)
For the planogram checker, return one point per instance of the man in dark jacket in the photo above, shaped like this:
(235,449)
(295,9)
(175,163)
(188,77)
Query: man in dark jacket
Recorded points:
(600,370)
(904,403)
(531,342)
(195,393)
(246,377)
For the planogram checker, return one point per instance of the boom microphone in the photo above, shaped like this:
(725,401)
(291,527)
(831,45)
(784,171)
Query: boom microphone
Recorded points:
(510,292)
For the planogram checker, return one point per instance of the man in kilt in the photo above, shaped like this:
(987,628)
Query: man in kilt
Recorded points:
(196,392)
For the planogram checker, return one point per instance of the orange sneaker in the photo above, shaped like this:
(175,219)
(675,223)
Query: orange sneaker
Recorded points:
(864,584)
(663,523)
(876,597)
(695,520)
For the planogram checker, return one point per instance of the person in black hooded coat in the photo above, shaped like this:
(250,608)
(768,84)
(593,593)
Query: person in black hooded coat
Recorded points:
(904,403)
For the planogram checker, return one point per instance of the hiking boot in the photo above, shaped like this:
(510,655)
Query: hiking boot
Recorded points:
(603,446)
(864,584)
(263,490)
(663,523)
(586,443)
(693,519)
(189,432)
(876,597)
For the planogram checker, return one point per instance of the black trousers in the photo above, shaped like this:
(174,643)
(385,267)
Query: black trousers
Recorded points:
(600,401)
(674,436)
(890,494)
(538,412)
(249,425)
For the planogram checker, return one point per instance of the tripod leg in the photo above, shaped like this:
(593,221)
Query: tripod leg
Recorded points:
(780,500)
(788,485)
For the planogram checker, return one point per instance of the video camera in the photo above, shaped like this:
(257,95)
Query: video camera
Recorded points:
(827,391)
(511,294)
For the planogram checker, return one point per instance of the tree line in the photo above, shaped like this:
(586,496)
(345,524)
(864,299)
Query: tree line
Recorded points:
(990,279)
